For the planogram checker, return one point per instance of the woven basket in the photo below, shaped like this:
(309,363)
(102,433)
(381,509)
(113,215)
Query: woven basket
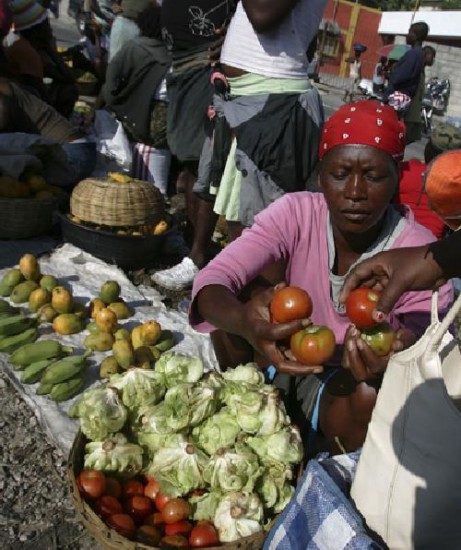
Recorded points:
(105,202)
(25,218)
(110,538)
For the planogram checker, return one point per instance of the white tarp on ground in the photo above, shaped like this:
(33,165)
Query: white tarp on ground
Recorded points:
(85,274)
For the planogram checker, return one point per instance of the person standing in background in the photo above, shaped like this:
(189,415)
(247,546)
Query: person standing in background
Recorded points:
(355,72)
(405,75)
(413,122)
(379,76)
(194,31)
(125,26)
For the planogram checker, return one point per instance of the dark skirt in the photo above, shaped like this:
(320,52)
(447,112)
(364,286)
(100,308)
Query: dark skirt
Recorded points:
(190,94)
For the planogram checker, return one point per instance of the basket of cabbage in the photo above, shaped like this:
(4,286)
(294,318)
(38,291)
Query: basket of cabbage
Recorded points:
(222,445)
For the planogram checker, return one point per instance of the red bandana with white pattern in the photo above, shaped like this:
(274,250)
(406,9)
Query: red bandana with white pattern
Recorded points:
(365,122)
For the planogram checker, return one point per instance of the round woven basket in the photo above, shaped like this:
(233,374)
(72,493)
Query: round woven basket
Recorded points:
(110,538)
(25,218)
(104,202)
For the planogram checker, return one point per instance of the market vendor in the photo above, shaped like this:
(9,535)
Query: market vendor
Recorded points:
(22,111)
(320,237)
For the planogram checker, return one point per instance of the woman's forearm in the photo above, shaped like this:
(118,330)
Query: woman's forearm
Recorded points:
(220,307)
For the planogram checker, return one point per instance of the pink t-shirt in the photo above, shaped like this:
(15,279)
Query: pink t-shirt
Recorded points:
(294,228)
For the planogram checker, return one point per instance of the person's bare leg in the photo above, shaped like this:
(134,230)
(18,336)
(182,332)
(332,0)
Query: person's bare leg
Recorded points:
(205,221)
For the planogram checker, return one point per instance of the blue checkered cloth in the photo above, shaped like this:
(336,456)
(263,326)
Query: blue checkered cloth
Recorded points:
(320,516)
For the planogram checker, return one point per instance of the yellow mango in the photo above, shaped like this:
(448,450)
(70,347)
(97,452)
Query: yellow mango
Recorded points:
(67,323)
(122,334)
(96,305)
(62,299)
(124,353)
(151,331)
(48,282)
(38,298)
(106,320)
(29,267)
(99,341)
(108,367)
(47,313)
(22,291)
(137,338)
(109,292)
(121,309)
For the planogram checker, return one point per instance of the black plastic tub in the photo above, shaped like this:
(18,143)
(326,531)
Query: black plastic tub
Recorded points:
(125,251)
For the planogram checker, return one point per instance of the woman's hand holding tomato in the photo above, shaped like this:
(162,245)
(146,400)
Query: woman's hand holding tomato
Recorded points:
(266,337)
(362,361)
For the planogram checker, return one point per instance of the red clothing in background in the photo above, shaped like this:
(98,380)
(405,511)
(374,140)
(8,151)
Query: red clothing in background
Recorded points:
(410,194)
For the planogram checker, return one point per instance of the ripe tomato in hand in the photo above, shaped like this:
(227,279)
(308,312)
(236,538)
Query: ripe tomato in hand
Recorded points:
(175,510)
(360,305)
(123,524)
(379,338)
(313,345)
(203,535)
(289,304)
(92,484)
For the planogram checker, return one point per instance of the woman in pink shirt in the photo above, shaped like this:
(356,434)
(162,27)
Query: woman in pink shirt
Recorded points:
(319,237)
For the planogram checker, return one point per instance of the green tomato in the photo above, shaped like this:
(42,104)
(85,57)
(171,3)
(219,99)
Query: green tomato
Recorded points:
(379,338)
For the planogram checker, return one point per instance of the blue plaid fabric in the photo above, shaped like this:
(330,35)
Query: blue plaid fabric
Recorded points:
(320,516)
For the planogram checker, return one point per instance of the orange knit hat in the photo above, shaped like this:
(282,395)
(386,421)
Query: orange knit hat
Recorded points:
(443,184)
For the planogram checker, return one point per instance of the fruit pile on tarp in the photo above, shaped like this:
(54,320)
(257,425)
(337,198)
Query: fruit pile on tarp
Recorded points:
(85,275)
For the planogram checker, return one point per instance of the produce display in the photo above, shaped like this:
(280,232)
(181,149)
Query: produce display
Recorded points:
(157,228)
(29,186)
(203,457)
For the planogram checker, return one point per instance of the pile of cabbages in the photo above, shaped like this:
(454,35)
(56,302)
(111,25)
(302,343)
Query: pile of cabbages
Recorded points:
(223,441)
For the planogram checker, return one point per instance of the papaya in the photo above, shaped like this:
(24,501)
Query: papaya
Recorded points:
(106,320)
(109,367)
(28,266)
(121,309)
(11,278)
(151,331)
(99,341)
(48,282)
(67,323)
(38,298)
(22,292)
(124,353)
(137,339)
(122,334)
(47,313)
(62,299)
(109,292)
(96,305)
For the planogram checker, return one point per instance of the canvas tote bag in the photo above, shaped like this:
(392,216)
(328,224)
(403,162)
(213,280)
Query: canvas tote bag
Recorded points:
(408,480)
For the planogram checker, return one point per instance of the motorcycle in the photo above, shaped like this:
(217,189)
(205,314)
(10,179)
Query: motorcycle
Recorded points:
(435,99)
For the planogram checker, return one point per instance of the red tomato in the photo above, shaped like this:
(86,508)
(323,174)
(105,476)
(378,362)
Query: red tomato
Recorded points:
(313,345)
(113,487)
(204,534)
(123,524)
(151,489)
(154,519)
(182,527)
(174,541)
(379,338)
(360,305)
(175,510)
(92,484)
(107,505)
(148,534)
(132,488)
(138,508)
(160,501)
(290,303)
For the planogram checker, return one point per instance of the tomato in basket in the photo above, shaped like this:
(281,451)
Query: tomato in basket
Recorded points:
(176,509)
(171,542)
(123,524)
(204,535)
(161,500)
(154,519)
(182,527)
(148,534)
(92,484)
(138,507)
(151,489)
(132,488)
(113,487)
(107,505)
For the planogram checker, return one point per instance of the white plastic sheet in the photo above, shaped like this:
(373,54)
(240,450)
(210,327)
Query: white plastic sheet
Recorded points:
(85,274)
